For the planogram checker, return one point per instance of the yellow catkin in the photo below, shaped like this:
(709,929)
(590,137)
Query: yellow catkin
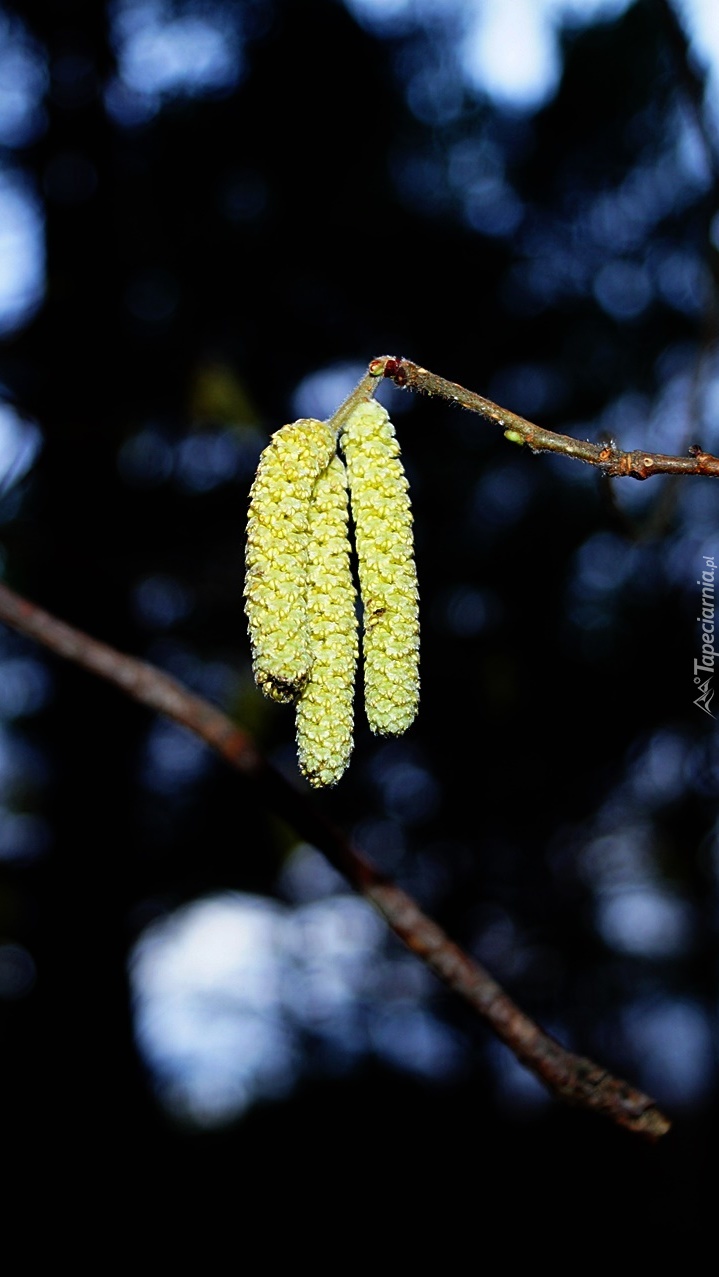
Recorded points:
(388,577)
(276,555)
(325,707)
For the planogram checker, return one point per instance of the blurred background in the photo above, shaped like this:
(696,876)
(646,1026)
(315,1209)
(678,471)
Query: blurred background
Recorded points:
(212,215)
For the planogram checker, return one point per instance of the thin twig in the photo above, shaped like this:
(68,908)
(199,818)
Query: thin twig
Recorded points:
(571,1077)
(610,459)
(365,390)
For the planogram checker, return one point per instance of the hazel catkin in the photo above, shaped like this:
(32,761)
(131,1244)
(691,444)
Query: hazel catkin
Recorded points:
(277,555)
(325,706)
(388,579)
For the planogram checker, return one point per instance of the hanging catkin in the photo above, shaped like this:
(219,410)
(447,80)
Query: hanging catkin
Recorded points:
(277,555)
(388,578)
(325,706)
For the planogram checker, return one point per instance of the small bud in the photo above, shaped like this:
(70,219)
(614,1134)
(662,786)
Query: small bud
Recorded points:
(276,555)
(325,706)
(514,436)
(388,578)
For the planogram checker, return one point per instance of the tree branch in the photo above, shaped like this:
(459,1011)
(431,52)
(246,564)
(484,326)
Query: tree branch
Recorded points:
(570,1077)
(610,459)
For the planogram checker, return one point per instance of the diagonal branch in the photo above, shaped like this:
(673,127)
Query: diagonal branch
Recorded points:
(610,459)
(571,1077)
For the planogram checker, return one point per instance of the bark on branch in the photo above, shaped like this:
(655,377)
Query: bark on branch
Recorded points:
(570,1077)
(610,459)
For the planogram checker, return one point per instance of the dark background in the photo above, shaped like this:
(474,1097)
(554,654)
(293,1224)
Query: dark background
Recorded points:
(210,247)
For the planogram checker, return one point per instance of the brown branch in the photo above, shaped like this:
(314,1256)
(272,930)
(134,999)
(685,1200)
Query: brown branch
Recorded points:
(571,1077)
(610,459)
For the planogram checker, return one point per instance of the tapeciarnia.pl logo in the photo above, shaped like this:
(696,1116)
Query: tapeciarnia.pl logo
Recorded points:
(706,665)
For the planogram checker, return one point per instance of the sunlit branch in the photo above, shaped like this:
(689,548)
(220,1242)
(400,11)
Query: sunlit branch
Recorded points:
(570,1077)
(610,459)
